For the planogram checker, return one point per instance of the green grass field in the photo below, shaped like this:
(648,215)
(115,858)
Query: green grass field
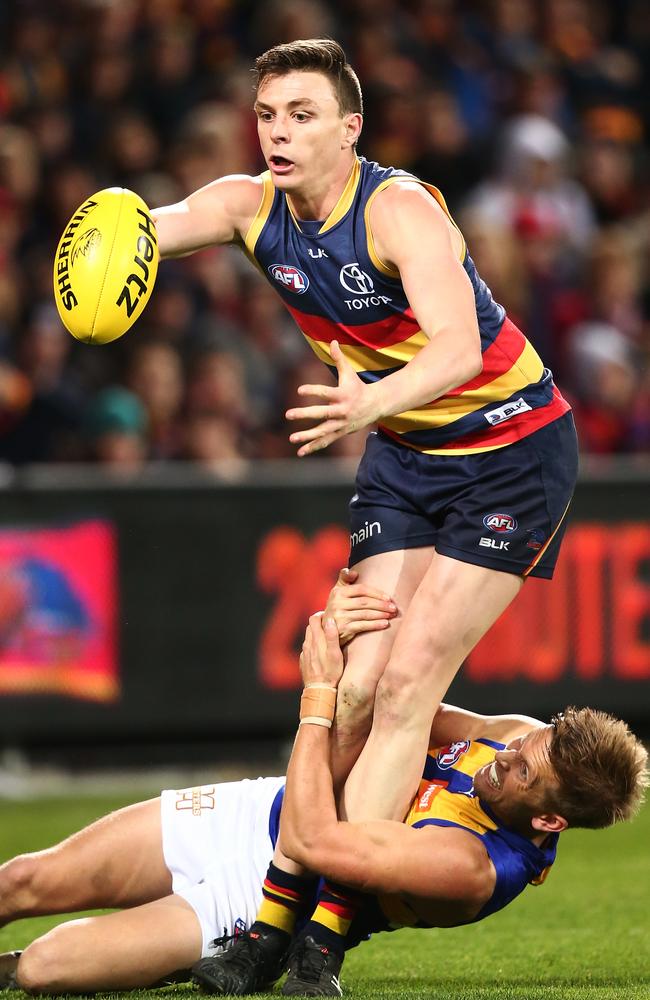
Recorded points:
(584,935)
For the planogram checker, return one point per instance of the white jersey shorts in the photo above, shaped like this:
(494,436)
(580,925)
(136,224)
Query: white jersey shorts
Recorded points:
(217,847)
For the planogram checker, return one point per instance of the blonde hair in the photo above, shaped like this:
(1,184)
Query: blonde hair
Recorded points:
(600,766)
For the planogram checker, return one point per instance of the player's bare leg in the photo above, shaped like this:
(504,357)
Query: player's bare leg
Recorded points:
(399,574)
(118,951)
(453,607)
(116,861)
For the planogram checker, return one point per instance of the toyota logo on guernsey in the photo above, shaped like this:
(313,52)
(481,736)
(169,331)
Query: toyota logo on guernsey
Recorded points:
(293,279)
(500,522)
(355,280)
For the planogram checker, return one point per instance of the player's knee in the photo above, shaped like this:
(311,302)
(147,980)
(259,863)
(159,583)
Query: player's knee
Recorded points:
(19,880)
(39,969)
(398,694)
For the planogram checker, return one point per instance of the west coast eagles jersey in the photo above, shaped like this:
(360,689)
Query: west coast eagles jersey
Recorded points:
(446,797)
(336,287)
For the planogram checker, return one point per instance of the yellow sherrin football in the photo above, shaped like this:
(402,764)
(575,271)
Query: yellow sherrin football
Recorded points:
(105,266)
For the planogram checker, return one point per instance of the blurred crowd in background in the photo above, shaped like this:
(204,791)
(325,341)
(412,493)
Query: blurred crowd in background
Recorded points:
(532,118)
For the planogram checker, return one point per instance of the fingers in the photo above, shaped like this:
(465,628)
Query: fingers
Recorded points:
(325,650)
(314,413)
(320,444)
(313,433)
(357,627)
(338,357)
(363,590)
(331,632)
(364,614)
(323,391)
(347,575)
(357,605)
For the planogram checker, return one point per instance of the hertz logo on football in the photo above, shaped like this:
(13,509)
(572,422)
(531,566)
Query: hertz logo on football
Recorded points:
(105,266)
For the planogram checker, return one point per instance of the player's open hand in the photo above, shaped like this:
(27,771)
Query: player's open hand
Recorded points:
(357,607)
(321,659)
(350,406)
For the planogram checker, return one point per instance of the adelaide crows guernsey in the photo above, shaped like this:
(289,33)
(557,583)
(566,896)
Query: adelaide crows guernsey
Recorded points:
(336,287)
(446,797)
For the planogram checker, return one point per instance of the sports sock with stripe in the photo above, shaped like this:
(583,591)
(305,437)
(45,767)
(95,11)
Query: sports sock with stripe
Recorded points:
(285,897)
(330,921)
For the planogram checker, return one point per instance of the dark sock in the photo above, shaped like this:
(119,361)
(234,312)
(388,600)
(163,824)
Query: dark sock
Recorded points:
(285,897)
(330,921)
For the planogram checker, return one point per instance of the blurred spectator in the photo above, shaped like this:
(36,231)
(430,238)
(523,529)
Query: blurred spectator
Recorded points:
(448,156)
(533,182)
(213,443)
(155,375)
(617,281)
(605,383)
(115,428)
(46,416)
(531,119)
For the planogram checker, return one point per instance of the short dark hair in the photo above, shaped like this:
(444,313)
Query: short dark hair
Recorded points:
(318,55)
(600,766)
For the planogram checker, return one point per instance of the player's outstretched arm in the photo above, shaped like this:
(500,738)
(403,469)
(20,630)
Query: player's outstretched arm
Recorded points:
(221,212)
(451,724)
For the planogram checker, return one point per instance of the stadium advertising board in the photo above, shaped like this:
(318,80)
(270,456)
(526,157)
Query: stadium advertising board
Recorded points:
(58,611)
(204,591)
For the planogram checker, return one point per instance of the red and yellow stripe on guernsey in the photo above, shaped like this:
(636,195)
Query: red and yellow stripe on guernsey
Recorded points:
(510,364)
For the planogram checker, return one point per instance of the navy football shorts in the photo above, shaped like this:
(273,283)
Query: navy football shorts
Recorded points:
(504,509)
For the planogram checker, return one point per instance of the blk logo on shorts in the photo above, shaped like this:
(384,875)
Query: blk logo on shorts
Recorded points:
(293,279)
(500,522)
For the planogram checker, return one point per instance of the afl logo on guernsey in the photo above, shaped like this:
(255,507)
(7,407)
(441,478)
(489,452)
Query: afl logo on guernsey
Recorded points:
(293,279)
(500,522)
(452,754)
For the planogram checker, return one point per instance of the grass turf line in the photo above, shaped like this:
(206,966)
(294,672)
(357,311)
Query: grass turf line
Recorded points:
(584,935)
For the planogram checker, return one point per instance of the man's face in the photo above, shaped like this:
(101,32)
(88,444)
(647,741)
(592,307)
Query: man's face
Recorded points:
(517,785)
(302,132)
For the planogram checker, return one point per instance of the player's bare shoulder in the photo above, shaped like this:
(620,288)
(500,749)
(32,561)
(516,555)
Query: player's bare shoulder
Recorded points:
(404,213)
(405,194)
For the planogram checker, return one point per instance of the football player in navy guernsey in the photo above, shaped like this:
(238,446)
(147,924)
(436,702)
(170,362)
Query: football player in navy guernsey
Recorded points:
(187,870)
(463,489)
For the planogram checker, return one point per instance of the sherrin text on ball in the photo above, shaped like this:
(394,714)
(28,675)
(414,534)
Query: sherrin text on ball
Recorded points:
(105,266)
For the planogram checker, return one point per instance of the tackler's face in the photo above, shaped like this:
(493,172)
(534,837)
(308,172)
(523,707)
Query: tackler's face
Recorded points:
(518,785)
(301,129)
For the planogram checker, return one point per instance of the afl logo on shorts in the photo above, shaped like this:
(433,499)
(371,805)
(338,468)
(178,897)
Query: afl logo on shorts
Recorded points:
(292,278)
(452,754)
(500,522)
